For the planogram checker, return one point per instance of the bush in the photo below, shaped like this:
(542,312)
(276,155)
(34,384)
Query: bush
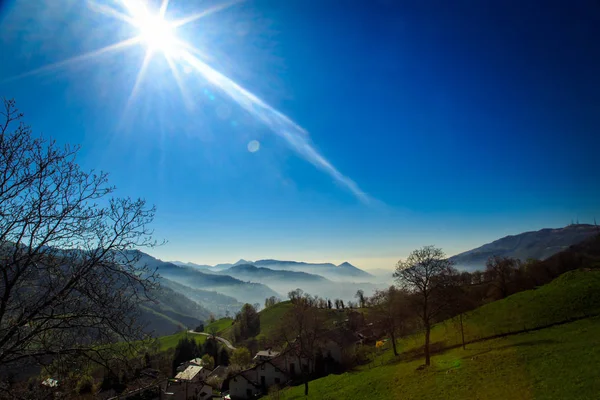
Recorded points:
(84,385)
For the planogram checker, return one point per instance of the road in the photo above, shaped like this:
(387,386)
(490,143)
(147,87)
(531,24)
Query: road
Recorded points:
(226,342)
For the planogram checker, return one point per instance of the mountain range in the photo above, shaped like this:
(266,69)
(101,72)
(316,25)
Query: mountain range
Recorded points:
(192,291)
(345,271)
(536,244)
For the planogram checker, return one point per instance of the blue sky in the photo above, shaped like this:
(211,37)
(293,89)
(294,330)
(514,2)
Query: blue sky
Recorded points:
(385,125)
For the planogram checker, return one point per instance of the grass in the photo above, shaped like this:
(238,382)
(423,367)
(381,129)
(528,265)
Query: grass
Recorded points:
(558,362)
(271,317)
(170,342)
(553,363)
(220,325)
(573,295)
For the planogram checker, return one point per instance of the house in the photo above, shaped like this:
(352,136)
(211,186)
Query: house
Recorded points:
(219,372)
(265,355)
(258,379)
(188,390)
(193,373)
(185,364)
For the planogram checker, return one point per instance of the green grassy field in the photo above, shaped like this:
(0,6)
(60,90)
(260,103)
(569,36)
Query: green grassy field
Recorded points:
(553,363)
(559,362)
(170,342)
(220,325)
(573,295)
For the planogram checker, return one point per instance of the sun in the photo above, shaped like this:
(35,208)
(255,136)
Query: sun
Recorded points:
(157,33)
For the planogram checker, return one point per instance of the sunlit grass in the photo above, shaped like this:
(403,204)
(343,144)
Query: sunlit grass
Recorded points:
(219,325)
(170,342)
(554,363)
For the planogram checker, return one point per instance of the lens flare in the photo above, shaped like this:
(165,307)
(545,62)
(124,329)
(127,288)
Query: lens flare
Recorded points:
(159,35)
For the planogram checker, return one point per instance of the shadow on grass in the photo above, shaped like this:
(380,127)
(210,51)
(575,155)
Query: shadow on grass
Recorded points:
(512,345)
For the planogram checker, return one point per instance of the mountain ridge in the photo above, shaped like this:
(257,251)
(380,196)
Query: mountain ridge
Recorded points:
(540,244)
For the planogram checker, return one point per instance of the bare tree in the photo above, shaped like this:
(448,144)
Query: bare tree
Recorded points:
(425,273)
(500,271)
(302,329)
(69,280)
(360,295)
(388,310)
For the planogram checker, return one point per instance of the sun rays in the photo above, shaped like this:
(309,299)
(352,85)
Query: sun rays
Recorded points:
(158,34)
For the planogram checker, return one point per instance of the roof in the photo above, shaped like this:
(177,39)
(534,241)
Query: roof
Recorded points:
(256,384)
(50,382)
(266,353)
(220,371)
(189,373)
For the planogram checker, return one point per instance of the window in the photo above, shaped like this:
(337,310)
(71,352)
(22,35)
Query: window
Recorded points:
(248,392)
(262,367)
(277,380)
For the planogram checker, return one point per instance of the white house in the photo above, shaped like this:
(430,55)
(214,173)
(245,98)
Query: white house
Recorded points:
(186,390)
(265,355)
(193,373)
(258,379)
(185,364)
(241,387)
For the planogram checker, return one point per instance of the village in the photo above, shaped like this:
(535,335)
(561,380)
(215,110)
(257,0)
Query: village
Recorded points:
(270,371)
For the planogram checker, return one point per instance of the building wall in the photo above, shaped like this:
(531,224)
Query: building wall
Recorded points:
(271,375)
(193,390)
(239,386)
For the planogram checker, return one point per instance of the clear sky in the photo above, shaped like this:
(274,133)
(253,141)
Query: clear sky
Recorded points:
(324,130)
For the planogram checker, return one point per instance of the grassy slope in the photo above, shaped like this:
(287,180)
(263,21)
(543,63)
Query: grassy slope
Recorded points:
(220,325)
(270,319)
(552,363)
(170,342)
(573,295)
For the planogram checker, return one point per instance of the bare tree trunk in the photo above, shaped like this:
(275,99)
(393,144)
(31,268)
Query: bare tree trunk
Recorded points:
(393,337)
(305,385)
(462,332)
(427,333)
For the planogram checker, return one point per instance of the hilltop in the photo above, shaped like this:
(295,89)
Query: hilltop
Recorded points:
(536,244)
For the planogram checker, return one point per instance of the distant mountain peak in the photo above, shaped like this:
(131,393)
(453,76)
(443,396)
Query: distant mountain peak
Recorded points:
(242,261)
(346,264)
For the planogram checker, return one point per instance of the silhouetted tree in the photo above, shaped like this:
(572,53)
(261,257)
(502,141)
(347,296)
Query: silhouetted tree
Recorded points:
(500,271)
(360,295)
(223,357)
(271,301)
(388,310)
(247,323)
(211,347)
(186,349)
(295,294)
(426,273)
(70,282)
(302,329)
